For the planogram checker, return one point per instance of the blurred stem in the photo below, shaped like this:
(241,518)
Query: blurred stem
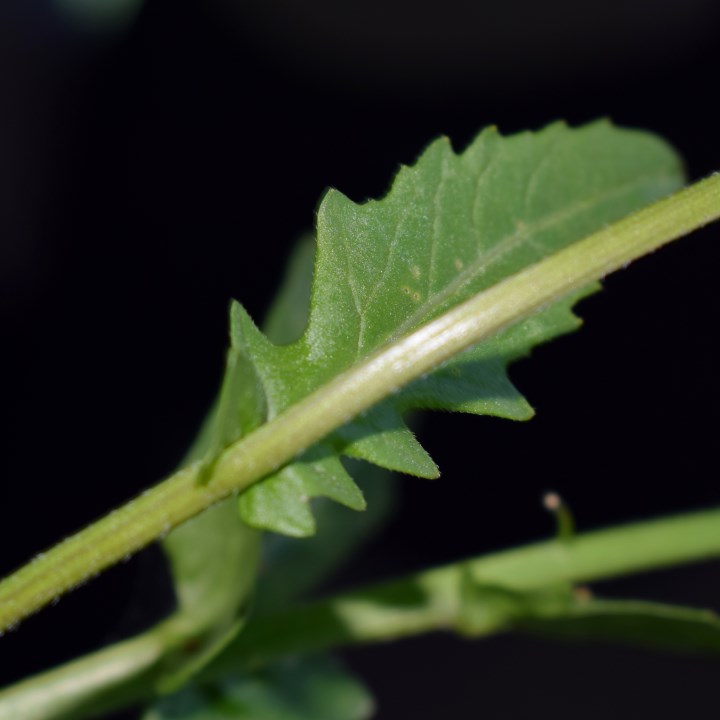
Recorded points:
(433,600)
(128,672)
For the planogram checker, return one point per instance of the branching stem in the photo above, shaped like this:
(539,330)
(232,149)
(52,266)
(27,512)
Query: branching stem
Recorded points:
(127,672)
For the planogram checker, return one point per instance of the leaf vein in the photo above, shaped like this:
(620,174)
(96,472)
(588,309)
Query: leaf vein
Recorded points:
(507,245)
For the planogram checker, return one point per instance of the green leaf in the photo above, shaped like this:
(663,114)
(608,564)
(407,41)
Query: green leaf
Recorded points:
(306,689)
(560,612)
(633,622)
(451,226)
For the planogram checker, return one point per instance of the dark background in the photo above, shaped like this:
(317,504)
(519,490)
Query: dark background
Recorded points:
(159,160)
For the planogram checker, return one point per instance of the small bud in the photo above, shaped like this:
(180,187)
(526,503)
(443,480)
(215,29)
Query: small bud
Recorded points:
(564,521)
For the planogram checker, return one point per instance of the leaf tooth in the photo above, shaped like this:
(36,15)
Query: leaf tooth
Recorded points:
(381,437)
(244,333)
(470,384)
(281,503)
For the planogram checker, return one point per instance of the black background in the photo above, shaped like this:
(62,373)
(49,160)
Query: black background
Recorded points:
(150,172)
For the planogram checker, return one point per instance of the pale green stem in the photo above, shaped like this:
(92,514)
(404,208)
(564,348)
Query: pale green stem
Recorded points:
(432,600)
(115,677)
(180,497)
(126,673)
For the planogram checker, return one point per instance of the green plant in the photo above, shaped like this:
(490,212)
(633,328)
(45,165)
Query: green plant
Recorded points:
(419,300)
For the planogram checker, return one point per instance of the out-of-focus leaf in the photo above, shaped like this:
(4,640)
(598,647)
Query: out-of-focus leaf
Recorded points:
(295,689)
(633,622)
